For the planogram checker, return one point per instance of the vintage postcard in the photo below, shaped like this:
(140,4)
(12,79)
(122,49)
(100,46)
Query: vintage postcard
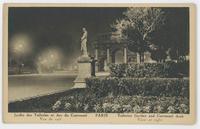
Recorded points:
(99,63)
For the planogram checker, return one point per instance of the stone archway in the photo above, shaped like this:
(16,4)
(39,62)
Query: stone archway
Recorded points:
(119,56)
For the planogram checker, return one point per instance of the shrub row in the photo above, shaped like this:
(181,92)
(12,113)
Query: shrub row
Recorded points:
(122,104)
(163,70)
(139,86)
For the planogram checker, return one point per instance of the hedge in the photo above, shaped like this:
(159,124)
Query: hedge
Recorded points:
(139,86)
(163,70)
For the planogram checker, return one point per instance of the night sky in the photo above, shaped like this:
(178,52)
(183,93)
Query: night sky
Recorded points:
(60,27)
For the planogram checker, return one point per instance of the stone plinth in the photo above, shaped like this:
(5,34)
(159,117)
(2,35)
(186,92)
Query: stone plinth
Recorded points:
(84,71)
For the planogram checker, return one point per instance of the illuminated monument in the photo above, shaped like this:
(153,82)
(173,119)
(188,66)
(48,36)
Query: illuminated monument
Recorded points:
(84,66)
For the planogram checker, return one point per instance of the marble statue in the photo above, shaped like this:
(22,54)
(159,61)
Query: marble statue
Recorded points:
(84,43)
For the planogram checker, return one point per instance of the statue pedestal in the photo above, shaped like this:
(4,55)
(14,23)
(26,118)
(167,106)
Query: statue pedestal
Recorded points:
(84,71)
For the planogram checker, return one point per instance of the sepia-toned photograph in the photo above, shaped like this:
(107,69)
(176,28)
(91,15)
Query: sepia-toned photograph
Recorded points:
(128,61)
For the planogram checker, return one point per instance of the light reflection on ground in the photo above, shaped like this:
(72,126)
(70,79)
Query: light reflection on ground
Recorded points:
(31,85)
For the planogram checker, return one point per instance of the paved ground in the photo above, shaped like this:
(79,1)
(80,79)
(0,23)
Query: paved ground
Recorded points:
(32,85)
(103,74)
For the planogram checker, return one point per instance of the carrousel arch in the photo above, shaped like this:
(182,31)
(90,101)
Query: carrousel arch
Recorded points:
(108,51)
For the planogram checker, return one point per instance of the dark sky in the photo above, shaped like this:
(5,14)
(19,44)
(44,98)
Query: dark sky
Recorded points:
(61,27)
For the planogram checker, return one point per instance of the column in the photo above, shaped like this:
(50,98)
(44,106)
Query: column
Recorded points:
(96,58)
(108,55)
(125,55)
(138,58)
(96,53)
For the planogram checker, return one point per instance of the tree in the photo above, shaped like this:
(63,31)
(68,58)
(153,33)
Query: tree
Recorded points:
(136,27)
(173,36)
(157,30)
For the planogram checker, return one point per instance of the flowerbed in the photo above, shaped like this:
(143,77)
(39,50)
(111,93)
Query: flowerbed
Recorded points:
(121,104)
(40,104)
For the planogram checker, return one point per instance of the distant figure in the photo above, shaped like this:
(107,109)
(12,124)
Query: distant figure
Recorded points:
(21,66)
(93,61)
(168,58)
(84,43)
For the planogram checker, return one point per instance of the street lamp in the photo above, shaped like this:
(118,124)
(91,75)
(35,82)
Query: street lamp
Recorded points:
(20,46)
(52,57)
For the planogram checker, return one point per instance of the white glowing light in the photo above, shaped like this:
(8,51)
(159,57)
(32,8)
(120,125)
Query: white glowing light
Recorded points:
(21,45)
(49,59)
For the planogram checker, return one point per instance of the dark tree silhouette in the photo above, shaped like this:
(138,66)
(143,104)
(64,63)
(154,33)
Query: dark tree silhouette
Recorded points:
(157,30)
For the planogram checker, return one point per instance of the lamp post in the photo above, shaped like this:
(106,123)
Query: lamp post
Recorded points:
(20,47)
